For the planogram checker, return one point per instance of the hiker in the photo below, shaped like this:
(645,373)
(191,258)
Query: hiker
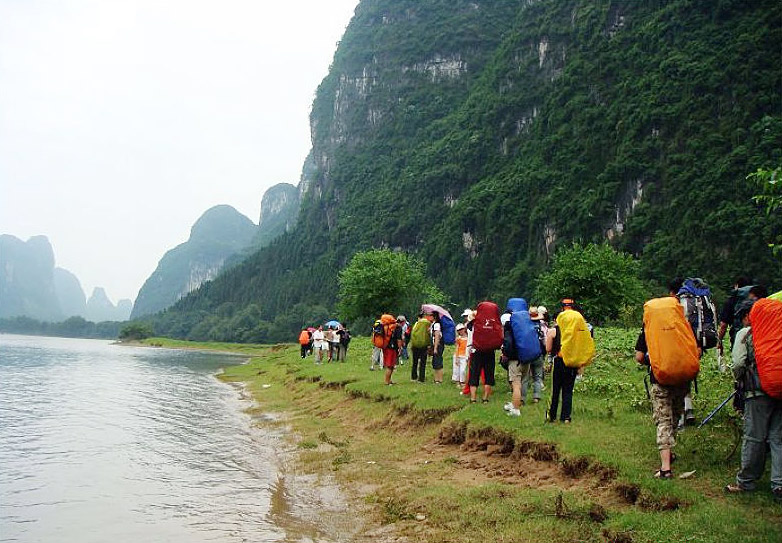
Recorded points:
(667,345)
(533,372)
(420,339)
(460,356)
(376,358)
(469,323)
(438,348)
(304,342)
(571,343)
(728,312)
(391,352)
(344,340)
(487,337)
(319,344)
(333,338)
(403,354)
(762,411)
(509,359)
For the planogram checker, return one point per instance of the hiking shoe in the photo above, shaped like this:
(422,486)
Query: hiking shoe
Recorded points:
(513,412)
(664,474)
(735,488)
(689,418)
(508,406)
(777,493)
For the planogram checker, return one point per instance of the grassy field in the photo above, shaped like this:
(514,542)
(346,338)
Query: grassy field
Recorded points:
(430,466)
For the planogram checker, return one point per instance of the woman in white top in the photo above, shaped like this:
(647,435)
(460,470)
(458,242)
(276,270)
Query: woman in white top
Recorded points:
(319,344)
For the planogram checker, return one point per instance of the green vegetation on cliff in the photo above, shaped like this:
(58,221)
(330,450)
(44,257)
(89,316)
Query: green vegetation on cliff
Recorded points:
(482,136)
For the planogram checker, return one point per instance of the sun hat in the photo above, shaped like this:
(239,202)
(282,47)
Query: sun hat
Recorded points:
(401,318)
(504,318)
(460,326)
(467,312)
(542,310)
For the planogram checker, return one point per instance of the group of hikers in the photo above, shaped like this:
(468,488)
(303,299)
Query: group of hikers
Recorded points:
(677,330)
(326,345)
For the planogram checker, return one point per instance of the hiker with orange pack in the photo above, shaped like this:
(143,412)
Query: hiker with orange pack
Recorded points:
(667,344)
(757,363)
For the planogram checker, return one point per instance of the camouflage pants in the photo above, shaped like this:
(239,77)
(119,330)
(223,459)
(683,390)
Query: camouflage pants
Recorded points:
(667,407)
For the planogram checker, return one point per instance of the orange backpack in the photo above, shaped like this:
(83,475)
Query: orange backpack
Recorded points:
(388,323)
(765,317)
(673,352)
(304,338)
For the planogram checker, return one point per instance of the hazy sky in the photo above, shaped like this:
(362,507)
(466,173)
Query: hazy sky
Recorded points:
(122,121)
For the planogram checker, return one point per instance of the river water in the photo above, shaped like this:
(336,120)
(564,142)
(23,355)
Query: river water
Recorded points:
(100,442)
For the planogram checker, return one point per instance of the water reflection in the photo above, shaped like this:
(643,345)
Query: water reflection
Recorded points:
(100,442)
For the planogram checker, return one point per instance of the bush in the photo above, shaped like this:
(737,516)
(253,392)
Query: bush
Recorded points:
(603,281)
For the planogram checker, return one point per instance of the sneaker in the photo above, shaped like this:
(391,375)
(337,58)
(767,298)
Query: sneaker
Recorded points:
(508,406)
(777,493)
(371,368)
(513,412)
(689,417)
(735,488)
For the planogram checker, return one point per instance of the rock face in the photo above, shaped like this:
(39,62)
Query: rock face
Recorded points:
(27,285)
(70,294)
(279,211)
(219,234)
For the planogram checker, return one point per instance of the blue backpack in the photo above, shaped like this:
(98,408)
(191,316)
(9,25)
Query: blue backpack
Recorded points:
(448,328)
(526,333)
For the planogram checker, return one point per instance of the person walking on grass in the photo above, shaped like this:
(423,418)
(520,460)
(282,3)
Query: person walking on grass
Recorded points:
(532,373)
(420,340)
(438,348)
(571,343)
(487,338)
(304,342)
(319,344)
(667,345)
(391,353)
(762,412)
(344,341)
(459,373)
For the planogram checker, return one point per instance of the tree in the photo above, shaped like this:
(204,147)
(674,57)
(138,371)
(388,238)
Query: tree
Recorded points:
(770,184)
(135,331)
(603,281)
(381,281)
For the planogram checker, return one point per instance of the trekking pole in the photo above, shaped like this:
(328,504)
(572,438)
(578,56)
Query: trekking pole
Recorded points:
(717,409)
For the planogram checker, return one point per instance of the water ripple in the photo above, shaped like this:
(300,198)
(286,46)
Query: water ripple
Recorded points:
(100,442)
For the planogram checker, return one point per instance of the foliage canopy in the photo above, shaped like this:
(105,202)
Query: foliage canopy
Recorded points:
(381,281)
(603,281)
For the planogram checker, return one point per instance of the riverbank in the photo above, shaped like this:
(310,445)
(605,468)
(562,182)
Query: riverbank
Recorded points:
(422,464)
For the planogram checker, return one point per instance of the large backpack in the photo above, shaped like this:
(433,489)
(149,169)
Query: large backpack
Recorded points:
(699,310)
(448,329)
(420,338)
(487,329)
(577,348)
(765,317)
(377,334)
(673,352)
(304,338)
(526,333)
(382,330)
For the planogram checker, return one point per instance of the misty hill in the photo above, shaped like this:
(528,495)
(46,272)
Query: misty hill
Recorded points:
(27,286)
(220,238)
(100,308)
(218,234)
(482,136)
(31,286)
(70,295)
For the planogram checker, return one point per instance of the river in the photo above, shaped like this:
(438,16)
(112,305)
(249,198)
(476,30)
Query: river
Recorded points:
(101,442)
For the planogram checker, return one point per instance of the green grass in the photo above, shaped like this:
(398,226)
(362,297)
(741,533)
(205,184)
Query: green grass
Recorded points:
(333,404)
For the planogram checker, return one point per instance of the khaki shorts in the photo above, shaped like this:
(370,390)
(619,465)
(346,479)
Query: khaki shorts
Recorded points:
(516,371)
